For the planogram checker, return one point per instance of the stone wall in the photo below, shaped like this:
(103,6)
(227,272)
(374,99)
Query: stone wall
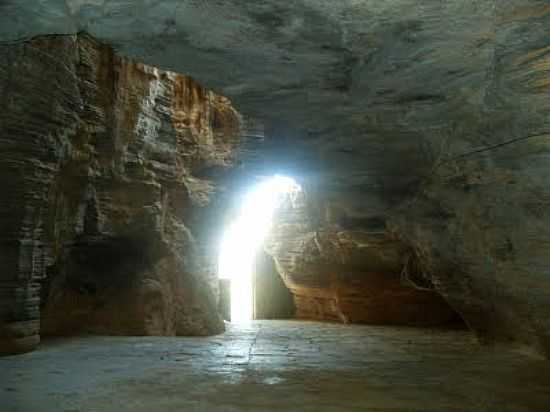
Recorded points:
(100,161)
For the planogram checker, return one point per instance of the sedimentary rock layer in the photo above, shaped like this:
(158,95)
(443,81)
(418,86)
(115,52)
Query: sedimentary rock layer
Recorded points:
(99,161)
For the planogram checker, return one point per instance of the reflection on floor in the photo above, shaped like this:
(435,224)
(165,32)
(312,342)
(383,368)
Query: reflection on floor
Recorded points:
(276,366)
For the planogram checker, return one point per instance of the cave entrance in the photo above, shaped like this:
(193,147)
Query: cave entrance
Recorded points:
(243,239)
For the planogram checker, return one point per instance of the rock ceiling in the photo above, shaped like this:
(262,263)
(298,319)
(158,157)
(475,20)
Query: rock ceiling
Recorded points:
(361,93)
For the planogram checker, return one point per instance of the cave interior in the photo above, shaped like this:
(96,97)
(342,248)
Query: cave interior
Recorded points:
(222,205)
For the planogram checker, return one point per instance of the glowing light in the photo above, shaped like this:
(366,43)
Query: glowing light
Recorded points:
(243,238)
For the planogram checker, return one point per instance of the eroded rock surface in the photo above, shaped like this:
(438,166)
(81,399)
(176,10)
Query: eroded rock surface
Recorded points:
(100,162)
(350,276)
(394,111)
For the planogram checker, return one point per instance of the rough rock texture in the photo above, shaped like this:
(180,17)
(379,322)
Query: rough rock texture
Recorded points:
(100,159)
(348,276)
(481,236)
(375,105)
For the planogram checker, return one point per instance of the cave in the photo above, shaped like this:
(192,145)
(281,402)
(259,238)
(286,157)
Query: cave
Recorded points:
(222,205)
(256,290)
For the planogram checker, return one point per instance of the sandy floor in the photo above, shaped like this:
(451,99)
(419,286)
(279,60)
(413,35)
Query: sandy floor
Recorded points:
(276,366)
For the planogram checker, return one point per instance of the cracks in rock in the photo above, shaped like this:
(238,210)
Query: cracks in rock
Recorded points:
(251,348)
(444,161)
(492,147)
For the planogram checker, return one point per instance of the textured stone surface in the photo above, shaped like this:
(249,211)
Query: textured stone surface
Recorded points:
(347,276)
(379,107)
(274,366)
(100,165)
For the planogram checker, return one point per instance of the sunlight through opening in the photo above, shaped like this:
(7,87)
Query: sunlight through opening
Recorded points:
(243,238)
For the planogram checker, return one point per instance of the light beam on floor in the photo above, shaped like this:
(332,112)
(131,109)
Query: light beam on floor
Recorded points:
(244,237)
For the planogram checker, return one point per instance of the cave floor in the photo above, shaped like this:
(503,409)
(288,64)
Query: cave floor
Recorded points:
(276,366)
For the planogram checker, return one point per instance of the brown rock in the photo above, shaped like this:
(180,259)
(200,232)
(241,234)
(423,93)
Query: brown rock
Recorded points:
(348,276)
(99,159)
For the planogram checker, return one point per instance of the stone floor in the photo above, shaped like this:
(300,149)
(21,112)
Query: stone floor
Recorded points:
(276,366)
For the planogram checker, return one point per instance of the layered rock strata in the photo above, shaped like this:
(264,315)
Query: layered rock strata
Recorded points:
(101,159)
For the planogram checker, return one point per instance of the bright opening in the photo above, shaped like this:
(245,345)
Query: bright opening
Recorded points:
(245,236)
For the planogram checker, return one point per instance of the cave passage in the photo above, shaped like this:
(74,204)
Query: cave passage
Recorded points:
(243,238)
(405,269)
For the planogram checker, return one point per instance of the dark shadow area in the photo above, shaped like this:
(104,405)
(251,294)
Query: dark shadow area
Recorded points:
(272,299)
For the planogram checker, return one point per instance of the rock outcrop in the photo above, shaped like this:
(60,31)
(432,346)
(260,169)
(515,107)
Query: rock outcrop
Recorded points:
(350,276)
(100,163)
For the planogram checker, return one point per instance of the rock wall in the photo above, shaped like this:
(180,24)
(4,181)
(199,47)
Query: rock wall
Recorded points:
(479,221)
(100,163)
(351,276)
